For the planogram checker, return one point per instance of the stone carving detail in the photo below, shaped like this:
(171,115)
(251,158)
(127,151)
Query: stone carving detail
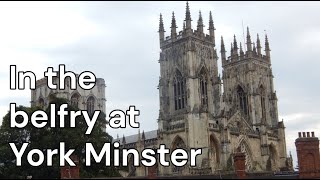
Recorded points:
(203,51)
(176,126)
(175,52)
(245,150)
(238,124)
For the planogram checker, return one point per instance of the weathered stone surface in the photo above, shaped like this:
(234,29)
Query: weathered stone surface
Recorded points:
(196,113)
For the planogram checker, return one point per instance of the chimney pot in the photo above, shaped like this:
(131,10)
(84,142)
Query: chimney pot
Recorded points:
(308,134)
(304,134)
(299,134)
(312,134)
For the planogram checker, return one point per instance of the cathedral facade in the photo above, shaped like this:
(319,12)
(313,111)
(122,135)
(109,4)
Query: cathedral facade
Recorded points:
(221,115)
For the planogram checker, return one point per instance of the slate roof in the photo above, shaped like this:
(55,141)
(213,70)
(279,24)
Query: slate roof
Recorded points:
(134,138)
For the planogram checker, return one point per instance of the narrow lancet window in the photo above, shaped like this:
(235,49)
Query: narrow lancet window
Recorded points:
(243,101)
(179,91)
(203,88)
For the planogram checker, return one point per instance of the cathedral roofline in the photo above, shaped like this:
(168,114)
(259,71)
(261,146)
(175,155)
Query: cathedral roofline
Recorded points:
(262,60)
(187,30)
(43,81)
(135,137)
(180,38)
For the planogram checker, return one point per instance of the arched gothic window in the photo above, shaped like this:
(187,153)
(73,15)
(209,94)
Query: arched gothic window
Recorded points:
(203,88)
(131,167)
(272,165)
(178,143)
(41,103)
(243,101)
(90,105)
(263,102)
(214,150)
(75,100)
(180,98)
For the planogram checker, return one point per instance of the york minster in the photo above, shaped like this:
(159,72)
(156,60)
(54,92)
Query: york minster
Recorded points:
(234,112)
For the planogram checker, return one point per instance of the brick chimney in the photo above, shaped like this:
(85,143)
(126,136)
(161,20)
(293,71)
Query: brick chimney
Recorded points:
(71,172)
(308,155)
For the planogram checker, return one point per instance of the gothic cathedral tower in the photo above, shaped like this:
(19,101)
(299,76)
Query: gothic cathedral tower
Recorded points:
(189,87)
(194,113)
(249,95)
(248,82)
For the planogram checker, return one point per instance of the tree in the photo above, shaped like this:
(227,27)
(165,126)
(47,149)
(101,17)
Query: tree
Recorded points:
(50,138)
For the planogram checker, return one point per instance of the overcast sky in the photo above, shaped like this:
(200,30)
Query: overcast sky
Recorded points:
(118,41)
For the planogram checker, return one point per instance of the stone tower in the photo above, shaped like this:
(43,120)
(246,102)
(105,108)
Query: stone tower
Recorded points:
(248,82)
(249,95)
(195,113)
(189,88)
(249,109)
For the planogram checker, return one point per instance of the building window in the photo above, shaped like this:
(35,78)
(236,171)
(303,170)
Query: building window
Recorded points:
(90,105)
(243,100)
(75,100)
(178,143)
(41,103)
(203,88)
(214,150)
(263,102)
(179,85)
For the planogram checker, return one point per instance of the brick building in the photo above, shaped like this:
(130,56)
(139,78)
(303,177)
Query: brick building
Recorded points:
(307,146)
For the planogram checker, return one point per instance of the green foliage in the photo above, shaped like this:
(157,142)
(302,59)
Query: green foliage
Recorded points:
(49,138)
